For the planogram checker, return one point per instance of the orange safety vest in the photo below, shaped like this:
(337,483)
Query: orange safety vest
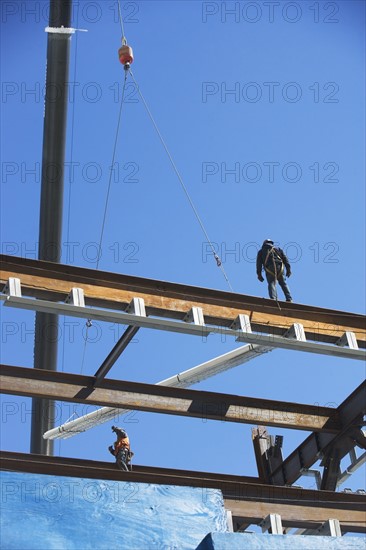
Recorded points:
(123,442)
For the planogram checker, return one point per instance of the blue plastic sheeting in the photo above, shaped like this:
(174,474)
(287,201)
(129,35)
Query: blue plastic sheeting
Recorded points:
(57,513)
(243,541)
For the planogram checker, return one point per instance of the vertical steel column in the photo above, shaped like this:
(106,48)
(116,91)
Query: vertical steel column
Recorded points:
(50,225)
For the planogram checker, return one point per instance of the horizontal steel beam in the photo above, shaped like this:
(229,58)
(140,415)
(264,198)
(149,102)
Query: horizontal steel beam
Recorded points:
(46,280)
(246,497)
(299,515)
(181,327)
(74,467)
(167,400)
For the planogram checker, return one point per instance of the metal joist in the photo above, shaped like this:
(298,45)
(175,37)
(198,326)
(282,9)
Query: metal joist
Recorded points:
(299,514)
(273,524)
(193,325)
(356,462)
(184,379)
(330,528)
(323,446)
(53,282)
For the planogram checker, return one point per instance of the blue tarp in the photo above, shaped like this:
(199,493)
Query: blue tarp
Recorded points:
(57,513)
(65,513)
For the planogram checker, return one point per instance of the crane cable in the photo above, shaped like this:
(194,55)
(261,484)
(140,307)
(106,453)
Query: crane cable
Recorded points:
(111,172)
(217,258)
(124,39)
(215,255)
(88,323)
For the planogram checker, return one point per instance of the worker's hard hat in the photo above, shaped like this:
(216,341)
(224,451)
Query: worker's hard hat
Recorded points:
(116,429)
(268,241)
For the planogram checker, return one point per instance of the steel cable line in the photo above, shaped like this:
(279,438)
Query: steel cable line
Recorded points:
(217,258)
(89,323)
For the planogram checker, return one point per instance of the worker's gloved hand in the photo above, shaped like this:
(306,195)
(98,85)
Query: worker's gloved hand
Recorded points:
(260,278)
(288,273)
(111,450)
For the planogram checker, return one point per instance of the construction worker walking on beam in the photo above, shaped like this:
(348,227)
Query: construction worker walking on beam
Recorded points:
(121,449)
(274,261)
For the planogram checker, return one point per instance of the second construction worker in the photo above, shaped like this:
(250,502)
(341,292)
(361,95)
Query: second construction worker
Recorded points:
(121,449)
(274,261)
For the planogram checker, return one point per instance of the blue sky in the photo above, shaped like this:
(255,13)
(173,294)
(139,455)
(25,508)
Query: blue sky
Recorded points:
(262,109)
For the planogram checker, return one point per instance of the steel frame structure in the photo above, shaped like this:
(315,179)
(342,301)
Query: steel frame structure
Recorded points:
(135,302)
(111,291)
(294,338)
(168,400)
(183,379)
(194,329)
(330,448)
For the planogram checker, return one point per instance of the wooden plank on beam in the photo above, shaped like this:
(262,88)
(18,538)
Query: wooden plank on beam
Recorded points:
(51,281)
(306,515)
(167,400)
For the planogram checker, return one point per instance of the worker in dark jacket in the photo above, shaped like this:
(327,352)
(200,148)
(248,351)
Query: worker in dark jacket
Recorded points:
(274,261)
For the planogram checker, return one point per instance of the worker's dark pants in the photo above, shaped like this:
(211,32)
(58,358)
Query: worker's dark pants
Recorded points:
(272,291)
(122,458)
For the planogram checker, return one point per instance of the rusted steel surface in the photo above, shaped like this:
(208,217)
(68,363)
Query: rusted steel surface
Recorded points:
(168,400)
(350,413)
(108,470)
(51,281)
(299,515)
